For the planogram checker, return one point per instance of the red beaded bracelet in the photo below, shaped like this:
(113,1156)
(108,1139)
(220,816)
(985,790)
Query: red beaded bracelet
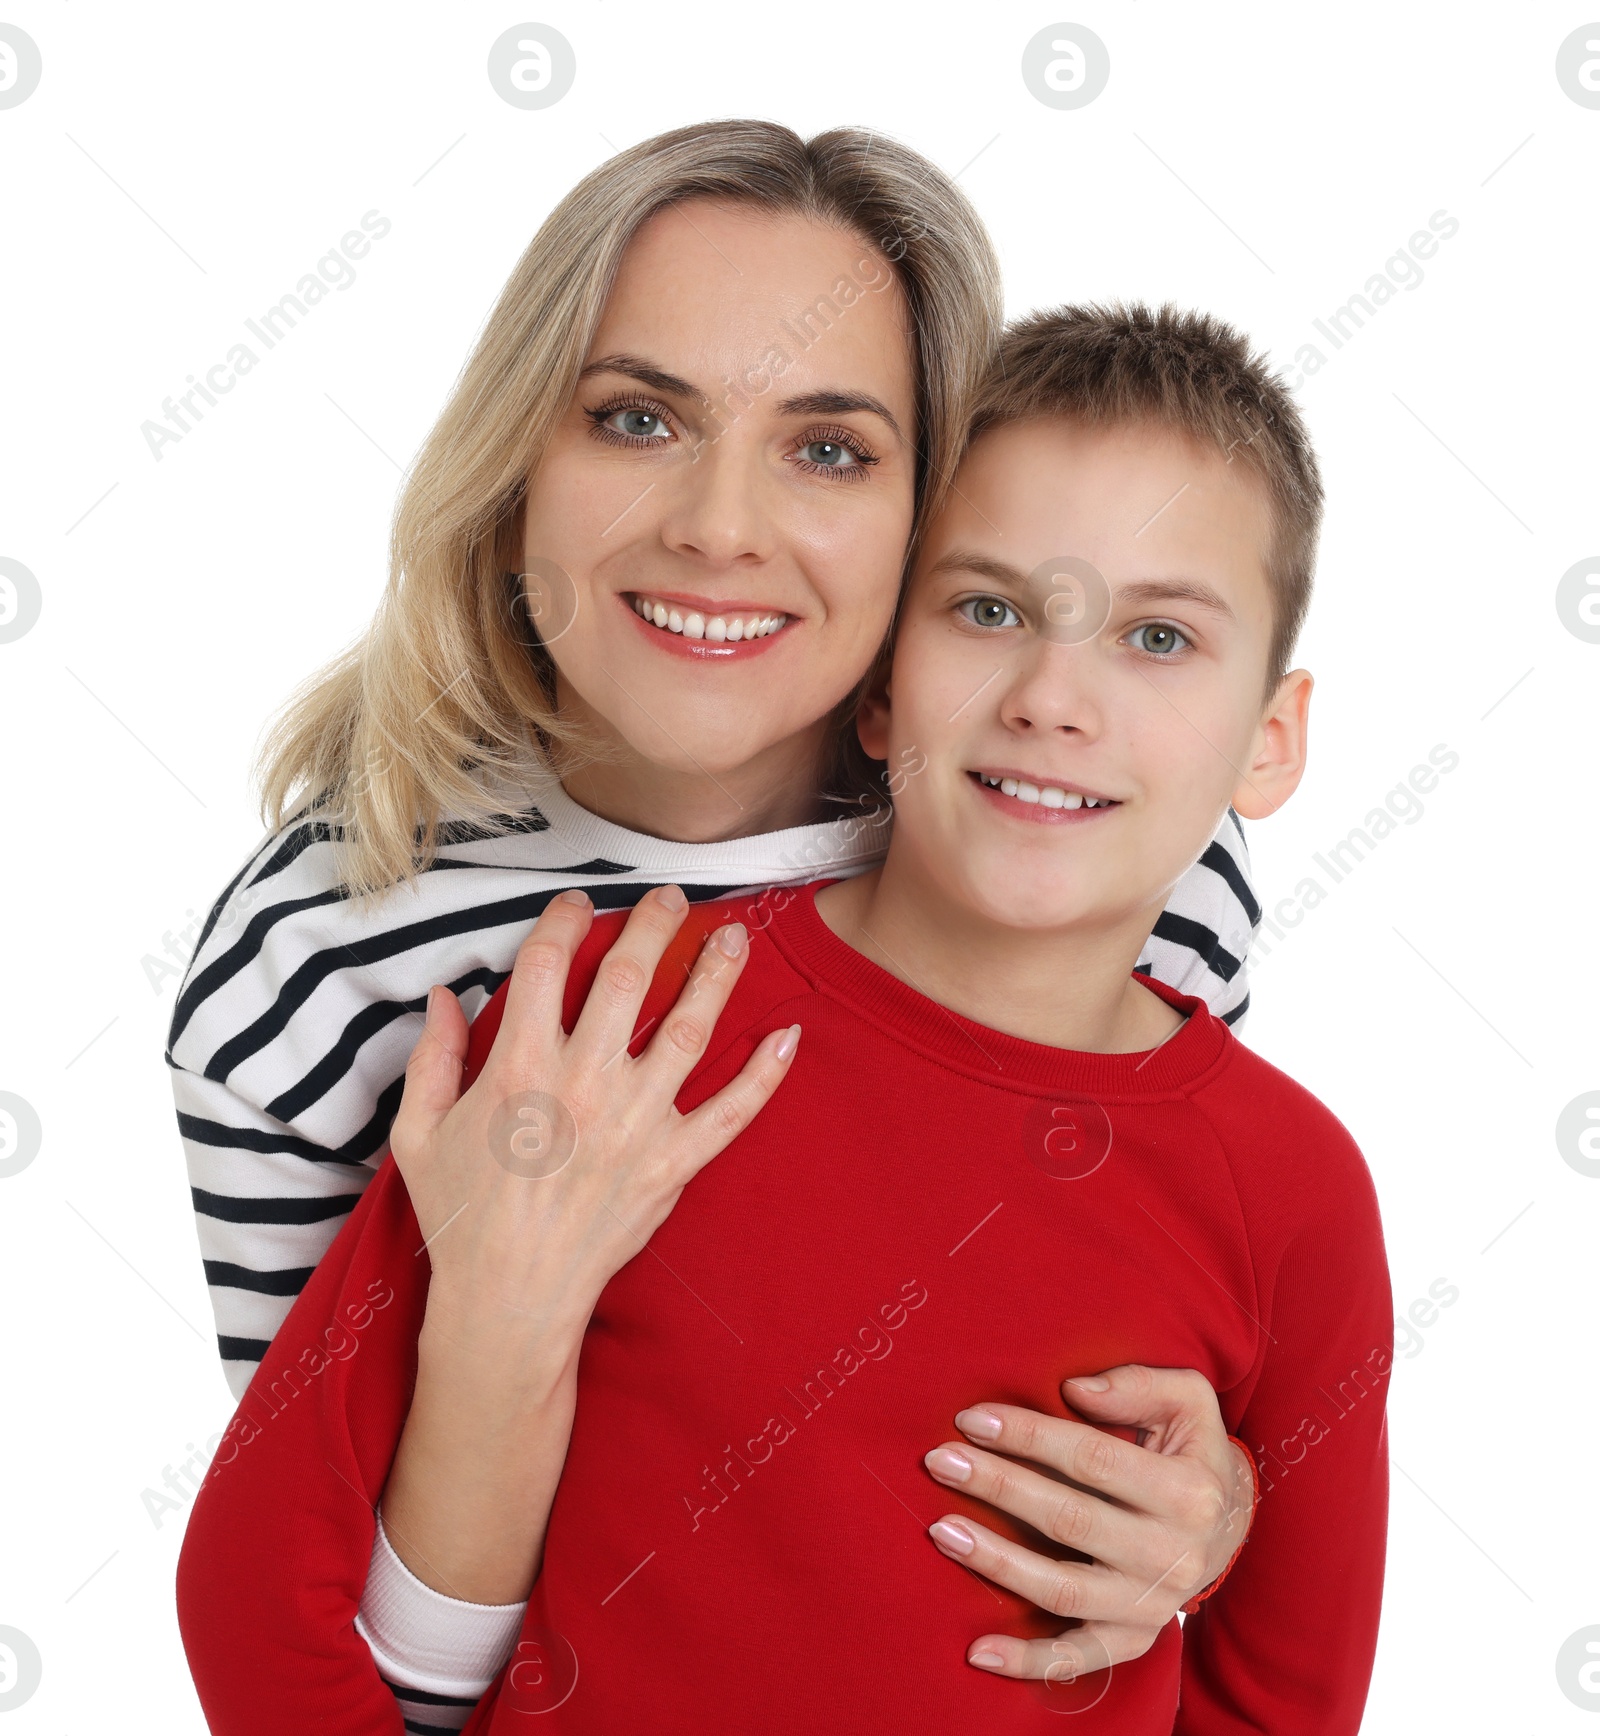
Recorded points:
(1255,1495)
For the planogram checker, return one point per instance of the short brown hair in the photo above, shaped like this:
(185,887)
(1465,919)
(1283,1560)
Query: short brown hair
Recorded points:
(1189,372)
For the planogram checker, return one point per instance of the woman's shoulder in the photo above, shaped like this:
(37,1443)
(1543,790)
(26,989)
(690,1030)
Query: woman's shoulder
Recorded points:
(290,965)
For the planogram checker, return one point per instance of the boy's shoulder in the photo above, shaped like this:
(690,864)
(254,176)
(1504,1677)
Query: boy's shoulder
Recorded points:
(1290,1154)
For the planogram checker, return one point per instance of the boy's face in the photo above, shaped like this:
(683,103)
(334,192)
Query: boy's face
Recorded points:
(1090,615)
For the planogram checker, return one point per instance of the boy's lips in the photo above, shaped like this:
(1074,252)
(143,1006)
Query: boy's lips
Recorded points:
(694,626)
(1035,798)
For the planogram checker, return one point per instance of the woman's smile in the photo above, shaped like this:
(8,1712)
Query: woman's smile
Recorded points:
(693,626)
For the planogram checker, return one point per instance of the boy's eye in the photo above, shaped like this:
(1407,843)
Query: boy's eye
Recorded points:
(990,612)
(1158,638)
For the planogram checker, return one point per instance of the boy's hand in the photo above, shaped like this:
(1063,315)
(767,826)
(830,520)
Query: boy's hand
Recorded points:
(1161,1519)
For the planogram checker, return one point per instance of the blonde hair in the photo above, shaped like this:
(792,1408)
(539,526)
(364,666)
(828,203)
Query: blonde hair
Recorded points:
(445,705)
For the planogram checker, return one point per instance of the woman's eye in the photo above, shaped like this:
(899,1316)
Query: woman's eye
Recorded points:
(637,424)
(1158,638)
(990,612)
(829,454)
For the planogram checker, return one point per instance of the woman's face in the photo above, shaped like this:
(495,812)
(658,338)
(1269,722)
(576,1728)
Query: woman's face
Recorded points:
(714,538)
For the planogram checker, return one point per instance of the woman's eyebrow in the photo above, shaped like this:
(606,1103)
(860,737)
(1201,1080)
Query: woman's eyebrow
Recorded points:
(647,374)
(837,403)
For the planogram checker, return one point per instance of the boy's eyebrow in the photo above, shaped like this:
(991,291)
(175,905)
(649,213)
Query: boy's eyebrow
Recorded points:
(985,566)
(1175,590)
(1138,591)
(830,402)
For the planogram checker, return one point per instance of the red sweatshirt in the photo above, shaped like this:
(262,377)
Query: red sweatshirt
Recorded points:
(929,1214)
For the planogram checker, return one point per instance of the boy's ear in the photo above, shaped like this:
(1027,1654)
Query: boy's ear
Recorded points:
(872,718)
(1277,751)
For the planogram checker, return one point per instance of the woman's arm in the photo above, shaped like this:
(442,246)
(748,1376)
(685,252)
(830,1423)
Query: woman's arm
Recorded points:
(553,1133)
(533,1189)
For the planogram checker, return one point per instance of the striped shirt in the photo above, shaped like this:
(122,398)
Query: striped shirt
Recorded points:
(298,1011)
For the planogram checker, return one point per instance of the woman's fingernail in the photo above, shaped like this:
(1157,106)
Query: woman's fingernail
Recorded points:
(672,897)
(956,1538)
(427,1017)
(731,939)
(946,1462)
(1089,1382)
(987,1660)
(574,896)
(982,1425)
(787,1043)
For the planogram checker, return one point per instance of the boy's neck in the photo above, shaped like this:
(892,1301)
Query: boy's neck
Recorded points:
(1069,989)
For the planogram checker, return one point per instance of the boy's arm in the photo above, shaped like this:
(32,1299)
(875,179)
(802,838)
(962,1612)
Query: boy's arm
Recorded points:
(1201,942)
(294,1612)
(1286,1642)
(279,1540)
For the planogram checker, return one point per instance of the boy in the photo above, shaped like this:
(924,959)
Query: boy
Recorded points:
(969,1180)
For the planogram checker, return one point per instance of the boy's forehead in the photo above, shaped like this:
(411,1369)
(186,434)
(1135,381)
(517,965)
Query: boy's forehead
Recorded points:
(1121,495)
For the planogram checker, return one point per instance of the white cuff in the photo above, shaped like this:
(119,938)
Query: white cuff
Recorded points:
(419,1638)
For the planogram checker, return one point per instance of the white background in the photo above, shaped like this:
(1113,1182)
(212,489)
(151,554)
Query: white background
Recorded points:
(180,168)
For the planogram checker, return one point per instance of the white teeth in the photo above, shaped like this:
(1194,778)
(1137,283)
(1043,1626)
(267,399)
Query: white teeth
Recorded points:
(721,628)
(1045,795)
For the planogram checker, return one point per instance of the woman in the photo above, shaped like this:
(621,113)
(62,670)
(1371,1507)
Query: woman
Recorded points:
(717,400)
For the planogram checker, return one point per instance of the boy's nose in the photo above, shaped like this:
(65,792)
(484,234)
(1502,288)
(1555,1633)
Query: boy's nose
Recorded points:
(1054,687)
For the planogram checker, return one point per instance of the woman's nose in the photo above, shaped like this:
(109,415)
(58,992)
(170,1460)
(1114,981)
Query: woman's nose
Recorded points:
(720,506)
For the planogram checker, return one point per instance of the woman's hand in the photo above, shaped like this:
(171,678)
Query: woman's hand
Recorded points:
(554,1168)
(1160,1520)
(532,1188)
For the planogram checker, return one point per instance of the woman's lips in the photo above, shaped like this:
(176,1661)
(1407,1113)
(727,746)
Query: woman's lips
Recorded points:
(1038,813)
(705,630)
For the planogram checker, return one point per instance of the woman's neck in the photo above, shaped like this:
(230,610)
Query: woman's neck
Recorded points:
(770,793)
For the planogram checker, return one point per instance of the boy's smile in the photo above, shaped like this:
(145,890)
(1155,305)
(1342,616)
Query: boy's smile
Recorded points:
(1082,721)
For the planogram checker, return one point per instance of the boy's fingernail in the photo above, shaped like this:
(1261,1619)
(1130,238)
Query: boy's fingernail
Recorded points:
(788,1042)
(982,1425)
(732,938)
(987,1660)
(672,897)
(948,1463)
(1089,1382)
(956,1538)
